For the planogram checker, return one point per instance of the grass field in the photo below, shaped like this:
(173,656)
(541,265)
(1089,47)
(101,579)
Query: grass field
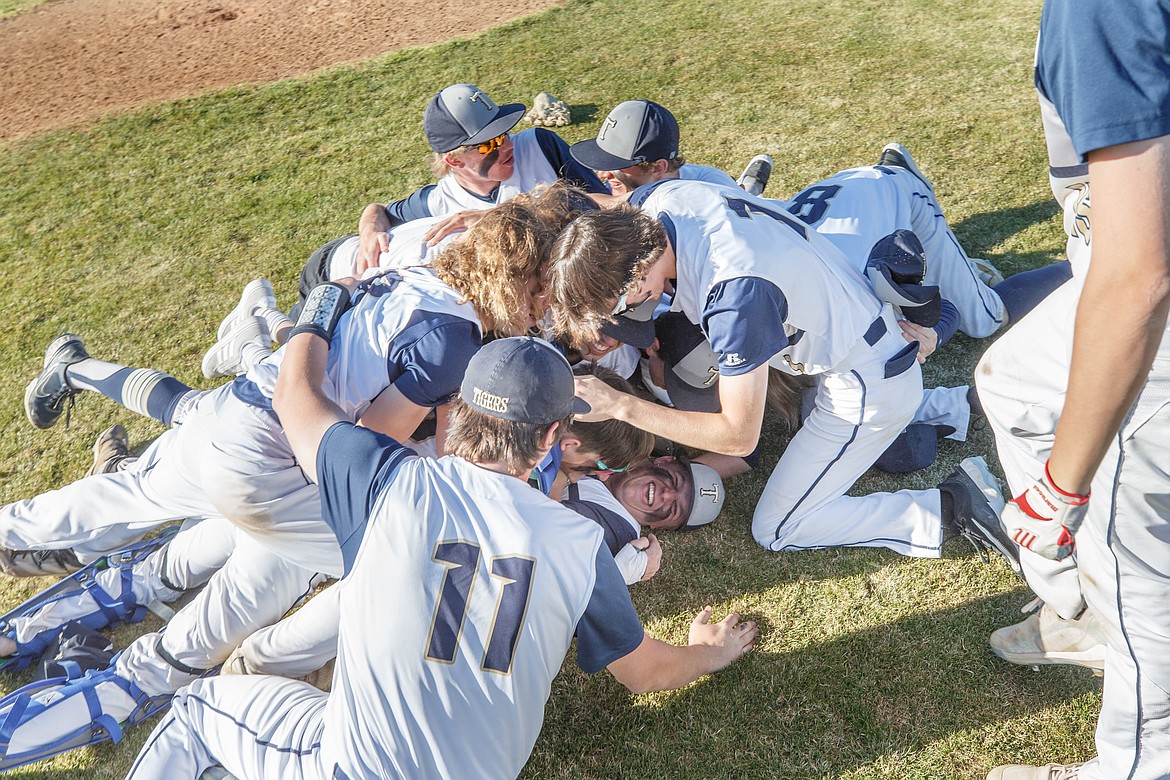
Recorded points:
(139,232)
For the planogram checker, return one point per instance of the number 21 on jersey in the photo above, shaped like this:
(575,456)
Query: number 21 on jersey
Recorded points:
(461,560)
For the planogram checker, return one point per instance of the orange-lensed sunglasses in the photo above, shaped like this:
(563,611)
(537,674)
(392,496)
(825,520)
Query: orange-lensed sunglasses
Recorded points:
(490,145)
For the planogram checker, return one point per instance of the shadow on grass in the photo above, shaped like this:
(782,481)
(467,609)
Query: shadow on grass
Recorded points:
(817,711)
(979,233)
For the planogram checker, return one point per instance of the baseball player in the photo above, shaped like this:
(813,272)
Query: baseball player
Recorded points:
(685,496)
(769,291)
(489,598)
(1078,392)
(479,164)
(401,350)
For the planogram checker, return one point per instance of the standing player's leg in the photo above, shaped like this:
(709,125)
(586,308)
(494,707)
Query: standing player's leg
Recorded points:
(1021,390)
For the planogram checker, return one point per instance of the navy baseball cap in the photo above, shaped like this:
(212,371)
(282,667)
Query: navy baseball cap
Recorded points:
(637,131)
(462,114)
(634,327)
(709,495)
(692,367)
(522,379)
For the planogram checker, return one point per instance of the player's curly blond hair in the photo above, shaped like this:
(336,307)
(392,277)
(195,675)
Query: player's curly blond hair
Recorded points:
(599,256)
(493,265)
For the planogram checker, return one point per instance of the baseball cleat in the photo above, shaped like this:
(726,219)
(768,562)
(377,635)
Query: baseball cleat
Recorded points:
(978,503)
(895,155)
(1044,637)
(987,273)
(257,293)
(225,356)
(1046,772)
(46,396)
(755,176)
(109,450)
(38,563)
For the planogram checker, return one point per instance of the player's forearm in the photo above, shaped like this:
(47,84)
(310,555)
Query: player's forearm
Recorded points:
(305,412)
(1122,314)
(712,431)
(671,666)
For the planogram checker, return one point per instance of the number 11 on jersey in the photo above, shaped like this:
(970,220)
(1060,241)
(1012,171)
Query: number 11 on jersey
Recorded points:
(461,560)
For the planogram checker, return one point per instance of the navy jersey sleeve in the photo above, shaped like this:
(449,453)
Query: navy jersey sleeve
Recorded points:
(429,357)
(354,465)
(610,628)
(413,206)
(1105,66)
(948,322)
(618,532)
(744,321)
(556,151)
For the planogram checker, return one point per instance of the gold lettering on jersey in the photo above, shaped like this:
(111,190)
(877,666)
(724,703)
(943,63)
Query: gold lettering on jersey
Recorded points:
(1082,204)
(489,402)
(797,367)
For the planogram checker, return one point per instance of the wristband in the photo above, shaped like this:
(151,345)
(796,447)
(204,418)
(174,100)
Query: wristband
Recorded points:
(322,310)
(1072,499)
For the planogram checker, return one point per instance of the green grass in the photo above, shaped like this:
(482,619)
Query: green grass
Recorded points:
(14,7)
(139,232)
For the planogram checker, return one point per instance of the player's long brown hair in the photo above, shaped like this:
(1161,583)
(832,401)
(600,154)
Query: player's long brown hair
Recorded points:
(599,256)
(492,265)
(481,438)
(618,444)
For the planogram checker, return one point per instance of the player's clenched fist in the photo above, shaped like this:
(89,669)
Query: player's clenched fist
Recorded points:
(1045,519)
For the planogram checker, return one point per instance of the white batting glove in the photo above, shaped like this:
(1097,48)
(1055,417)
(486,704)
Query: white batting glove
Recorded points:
(1045,519)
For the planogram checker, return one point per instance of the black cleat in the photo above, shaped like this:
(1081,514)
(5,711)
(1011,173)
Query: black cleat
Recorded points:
(978,504)
(46,396)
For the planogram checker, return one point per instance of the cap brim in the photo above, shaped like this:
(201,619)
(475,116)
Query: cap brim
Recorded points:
(589,153)
(627,331)
(509,116)
(580,406)
(689,398)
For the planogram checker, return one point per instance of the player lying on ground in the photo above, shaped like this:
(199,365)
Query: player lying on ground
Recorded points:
(429,530)
(770,292)
(231,458)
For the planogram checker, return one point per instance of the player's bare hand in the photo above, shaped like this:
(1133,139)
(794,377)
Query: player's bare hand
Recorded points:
(649,545)
(927,338)
(460,220)
(731,637)
(600,397)
(372,244)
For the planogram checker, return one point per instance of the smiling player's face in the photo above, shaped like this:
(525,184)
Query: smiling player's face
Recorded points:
(658,494)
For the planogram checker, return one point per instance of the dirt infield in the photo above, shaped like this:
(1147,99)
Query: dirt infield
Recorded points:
(70,61)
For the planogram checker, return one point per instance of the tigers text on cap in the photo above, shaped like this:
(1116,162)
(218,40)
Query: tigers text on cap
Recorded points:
(636,131)
(522,379)
(462,114)
(709,496)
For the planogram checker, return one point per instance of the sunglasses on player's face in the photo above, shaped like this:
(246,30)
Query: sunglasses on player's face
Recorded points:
(490,145)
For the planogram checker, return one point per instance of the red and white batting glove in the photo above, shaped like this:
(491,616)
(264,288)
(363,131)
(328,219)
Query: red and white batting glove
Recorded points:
(1045,519)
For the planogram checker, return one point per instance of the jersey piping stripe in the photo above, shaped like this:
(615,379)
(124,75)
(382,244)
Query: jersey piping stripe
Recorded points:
(877,541)
(833,462)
